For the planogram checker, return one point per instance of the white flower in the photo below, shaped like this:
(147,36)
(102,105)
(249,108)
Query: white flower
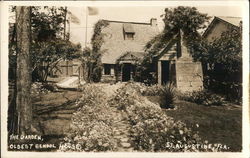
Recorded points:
(181,132)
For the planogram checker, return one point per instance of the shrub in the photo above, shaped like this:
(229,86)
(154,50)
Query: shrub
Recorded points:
(152,130)
(125,96)
(90,94)
(91,127)
(205,98)
(168,91)
(39,87)
(152,90)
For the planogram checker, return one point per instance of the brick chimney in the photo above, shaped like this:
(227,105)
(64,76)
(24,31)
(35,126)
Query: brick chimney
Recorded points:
(153,22)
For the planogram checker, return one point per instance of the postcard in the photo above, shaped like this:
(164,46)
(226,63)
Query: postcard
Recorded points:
(124,79)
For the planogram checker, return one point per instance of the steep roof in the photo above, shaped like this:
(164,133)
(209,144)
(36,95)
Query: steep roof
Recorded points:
(233,21)
(115,45)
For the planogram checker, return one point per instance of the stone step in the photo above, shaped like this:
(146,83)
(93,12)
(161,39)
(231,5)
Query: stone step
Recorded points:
(118,136)
(126,145)
(124,139)
(121,149)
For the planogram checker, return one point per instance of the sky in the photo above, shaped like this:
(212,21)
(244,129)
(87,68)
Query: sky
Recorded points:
(133,14)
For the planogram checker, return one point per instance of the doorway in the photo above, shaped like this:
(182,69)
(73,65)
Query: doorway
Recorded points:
(165,72)
(126,72)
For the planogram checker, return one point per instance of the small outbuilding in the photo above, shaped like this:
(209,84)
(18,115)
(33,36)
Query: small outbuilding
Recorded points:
(176,65)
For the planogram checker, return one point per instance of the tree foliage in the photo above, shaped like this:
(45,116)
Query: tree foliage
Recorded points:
(222,62)
(188,19)
(92,57)
(97,38)
(48,42)
(47,23)
(47,54)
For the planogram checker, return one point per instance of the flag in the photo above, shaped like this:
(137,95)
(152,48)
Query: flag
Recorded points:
(73,18)
(92,11)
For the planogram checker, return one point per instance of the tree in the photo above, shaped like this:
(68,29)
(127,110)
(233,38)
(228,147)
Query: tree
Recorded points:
(35,39)
(92,57)
(23,76)
(49,45)
(50,42)
(224,58)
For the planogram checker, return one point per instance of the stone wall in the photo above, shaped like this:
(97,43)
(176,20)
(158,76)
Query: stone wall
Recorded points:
(189,76)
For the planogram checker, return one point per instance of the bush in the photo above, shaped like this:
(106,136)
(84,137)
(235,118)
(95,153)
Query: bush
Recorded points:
(166,91)
(231,90)
(91,127)
(152,130)
(125,96)
(205,98)
(151,90)
(90,93)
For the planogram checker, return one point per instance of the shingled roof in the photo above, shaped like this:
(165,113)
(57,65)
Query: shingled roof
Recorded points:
(115,45)
(233,21)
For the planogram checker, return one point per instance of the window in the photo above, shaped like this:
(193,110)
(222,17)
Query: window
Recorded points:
(128,31)
(129,36)
(107,69)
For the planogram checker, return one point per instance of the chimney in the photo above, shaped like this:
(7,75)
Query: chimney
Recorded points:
(153,22)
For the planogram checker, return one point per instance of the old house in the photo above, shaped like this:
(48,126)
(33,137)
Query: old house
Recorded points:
(220,25)
(176,65)
(123,46)
(215,29)
(219,70)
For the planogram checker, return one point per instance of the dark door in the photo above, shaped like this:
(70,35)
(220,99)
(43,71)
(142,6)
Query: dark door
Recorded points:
(165,72)
(126,71)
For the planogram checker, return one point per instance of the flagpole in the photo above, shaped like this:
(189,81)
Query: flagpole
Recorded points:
(86,27)
(65,20)
(69,27)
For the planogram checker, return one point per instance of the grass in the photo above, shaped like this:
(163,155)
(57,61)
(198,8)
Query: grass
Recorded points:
(53,111)
(217,124)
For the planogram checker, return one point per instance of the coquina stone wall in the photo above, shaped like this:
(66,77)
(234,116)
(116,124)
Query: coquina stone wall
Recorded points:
(189,76)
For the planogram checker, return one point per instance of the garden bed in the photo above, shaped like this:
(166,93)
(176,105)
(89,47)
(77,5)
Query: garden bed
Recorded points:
(125,114)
